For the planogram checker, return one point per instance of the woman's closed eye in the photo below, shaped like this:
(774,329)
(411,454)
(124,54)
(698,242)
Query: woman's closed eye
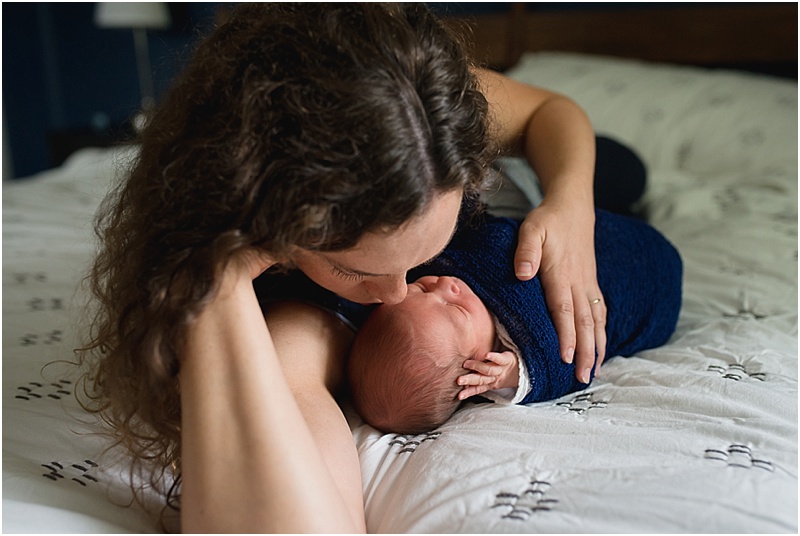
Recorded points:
(347,276)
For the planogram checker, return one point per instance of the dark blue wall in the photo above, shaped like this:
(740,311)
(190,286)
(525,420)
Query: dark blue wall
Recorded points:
(62,74)
(63,77)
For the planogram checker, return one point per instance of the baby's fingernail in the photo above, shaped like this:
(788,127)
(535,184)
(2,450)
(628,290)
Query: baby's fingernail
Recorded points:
(568,356)
(586,376)
(524,269)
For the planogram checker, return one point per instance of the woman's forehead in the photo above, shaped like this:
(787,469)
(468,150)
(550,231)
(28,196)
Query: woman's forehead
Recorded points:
(396,252)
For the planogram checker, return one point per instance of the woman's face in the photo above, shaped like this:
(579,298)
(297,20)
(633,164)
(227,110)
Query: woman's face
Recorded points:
(374,270)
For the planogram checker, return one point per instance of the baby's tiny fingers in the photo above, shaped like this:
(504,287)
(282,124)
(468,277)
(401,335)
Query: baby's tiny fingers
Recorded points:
(472,391)
(482,367)
(475,379)
(501,358)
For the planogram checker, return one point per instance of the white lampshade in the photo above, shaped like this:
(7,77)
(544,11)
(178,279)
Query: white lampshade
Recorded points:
(152,15)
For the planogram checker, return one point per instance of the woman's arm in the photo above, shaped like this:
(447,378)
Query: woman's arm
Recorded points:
(312,346)
(557,238)
(250,462)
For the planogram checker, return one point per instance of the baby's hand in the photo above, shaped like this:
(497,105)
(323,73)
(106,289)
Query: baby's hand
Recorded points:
(497,371)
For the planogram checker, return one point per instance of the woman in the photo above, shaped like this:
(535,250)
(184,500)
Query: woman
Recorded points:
(341,141)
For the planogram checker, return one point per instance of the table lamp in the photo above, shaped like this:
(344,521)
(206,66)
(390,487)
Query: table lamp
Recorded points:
(140,17)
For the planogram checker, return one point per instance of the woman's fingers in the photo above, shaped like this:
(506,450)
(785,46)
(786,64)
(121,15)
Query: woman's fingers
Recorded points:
(251,261)
(558,244)
(580,324)
(599,313)
(558,296)
(585,345)
(528,256)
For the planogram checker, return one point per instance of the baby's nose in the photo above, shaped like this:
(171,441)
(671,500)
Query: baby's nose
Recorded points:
(448,284)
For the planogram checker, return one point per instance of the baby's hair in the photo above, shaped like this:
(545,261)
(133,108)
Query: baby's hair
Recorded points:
(399,380)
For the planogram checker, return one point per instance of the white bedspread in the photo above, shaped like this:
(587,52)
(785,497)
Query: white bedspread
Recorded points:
(55,476)
(697,436)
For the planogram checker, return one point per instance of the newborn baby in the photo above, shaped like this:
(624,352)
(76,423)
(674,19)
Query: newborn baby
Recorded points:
(469,326)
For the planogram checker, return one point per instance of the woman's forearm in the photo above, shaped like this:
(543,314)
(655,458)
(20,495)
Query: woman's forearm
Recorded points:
(560,145)
(552,132)
(249,462)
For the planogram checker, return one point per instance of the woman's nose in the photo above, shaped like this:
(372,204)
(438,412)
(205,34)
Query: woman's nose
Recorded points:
(389,289)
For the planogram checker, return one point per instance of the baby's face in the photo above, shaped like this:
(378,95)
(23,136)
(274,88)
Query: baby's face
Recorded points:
(450,311)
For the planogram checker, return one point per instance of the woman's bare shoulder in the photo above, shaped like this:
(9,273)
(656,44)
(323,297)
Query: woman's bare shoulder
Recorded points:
(311,342)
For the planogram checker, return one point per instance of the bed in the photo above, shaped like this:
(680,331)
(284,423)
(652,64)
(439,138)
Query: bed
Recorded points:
(699,435)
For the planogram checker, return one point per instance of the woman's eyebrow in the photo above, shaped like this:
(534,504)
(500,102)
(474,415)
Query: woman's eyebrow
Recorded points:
(370,274)
(350,270)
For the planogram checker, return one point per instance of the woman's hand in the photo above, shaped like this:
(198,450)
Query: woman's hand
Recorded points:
(498,370)
(243,267)
(557,242)
(557,238)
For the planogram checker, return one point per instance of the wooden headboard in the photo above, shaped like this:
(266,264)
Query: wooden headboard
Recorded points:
(761,36)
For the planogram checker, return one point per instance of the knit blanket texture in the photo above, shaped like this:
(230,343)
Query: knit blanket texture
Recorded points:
(638,270)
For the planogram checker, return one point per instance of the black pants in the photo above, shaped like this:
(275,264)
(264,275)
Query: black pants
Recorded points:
(620,177)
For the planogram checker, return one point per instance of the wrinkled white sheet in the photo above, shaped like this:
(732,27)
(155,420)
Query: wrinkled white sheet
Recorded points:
(56,477)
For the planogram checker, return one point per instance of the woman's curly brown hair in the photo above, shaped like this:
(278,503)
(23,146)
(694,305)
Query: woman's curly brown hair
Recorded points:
(295,125)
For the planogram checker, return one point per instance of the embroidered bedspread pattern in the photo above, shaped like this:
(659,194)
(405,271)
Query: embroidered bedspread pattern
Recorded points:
(55,478)
(699,435)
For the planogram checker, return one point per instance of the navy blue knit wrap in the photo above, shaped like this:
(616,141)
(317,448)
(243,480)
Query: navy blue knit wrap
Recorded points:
(639,272)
